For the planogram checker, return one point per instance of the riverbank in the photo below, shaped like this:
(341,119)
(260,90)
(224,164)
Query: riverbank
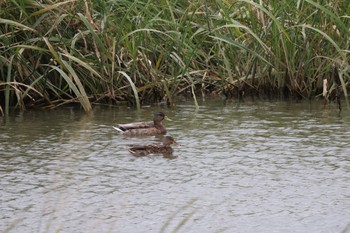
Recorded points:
(136,53)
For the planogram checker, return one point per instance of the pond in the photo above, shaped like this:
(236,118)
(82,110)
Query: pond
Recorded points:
(239,167)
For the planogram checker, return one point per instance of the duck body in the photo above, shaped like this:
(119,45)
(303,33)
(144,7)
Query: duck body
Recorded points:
(143,150)
(150,128)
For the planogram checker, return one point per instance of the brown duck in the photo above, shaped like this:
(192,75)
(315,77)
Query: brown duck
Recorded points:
(165,149)
(150,128)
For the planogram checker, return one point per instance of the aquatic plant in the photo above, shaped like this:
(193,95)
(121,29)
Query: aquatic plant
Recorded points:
(92,51)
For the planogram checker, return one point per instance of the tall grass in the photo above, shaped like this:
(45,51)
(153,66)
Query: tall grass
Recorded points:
(93,51)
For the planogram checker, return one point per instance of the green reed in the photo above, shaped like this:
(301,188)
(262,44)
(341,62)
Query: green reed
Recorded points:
(94,51)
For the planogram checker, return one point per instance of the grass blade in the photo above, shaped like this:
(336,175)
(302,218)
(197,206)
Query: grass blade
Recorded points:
(7,88)
(82,98)
(136,95)
(16,24)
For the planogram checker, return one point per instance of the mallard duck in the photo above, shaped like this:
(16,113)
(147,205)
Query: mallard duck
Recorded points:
(150,128)
(165,149)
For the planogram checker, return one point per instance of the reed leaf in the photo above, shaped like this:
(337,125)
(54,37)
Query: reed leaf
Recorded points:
(147,30)
(94,34)
(239,45)
(81,97)
(16,24)
(340,51)
(343,84)
(239,25)
(53,52)
(81,94)
(331,14)
(49,8)
(7,87)
(134,89)
(270,14)
(21,84)
(186,218)
(82,64)
(32,47)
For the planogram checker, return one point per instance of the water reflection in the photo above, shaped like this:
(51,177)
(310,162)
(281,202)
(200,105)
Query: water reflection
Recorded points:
(253,167)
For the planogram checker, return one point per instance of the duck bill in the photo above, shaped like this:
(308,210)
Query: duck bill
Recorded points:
(167,118)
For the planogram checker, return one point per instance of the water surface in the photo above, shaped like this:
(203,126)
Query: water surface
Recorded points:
(249,167)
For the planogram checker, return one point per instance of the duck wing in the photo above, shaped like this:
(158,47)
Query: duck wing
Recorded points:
(135,125)
(142,150)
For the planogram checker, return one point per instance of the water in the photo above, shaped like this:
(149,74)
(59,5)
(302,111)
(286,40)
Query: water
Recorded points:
(253,167)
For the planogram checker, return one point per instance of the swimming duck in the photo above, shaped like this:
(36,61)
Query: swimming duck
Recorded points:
(165,149)
(150,128)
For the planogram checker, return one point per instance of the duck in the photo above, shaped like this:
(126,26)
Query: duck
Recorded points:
(151,128)
(165,148)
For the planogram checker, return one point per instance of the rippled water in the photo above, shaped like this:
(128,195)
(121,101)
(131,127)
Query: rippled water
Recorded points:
(253,167)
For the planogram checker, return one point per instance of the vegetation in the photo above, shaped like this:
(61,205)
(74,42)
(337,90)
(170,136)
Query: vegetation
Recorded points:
(110,51)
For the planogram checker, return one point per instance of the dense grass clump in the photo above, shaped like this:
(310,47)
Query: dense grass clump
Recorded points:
(98,51)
